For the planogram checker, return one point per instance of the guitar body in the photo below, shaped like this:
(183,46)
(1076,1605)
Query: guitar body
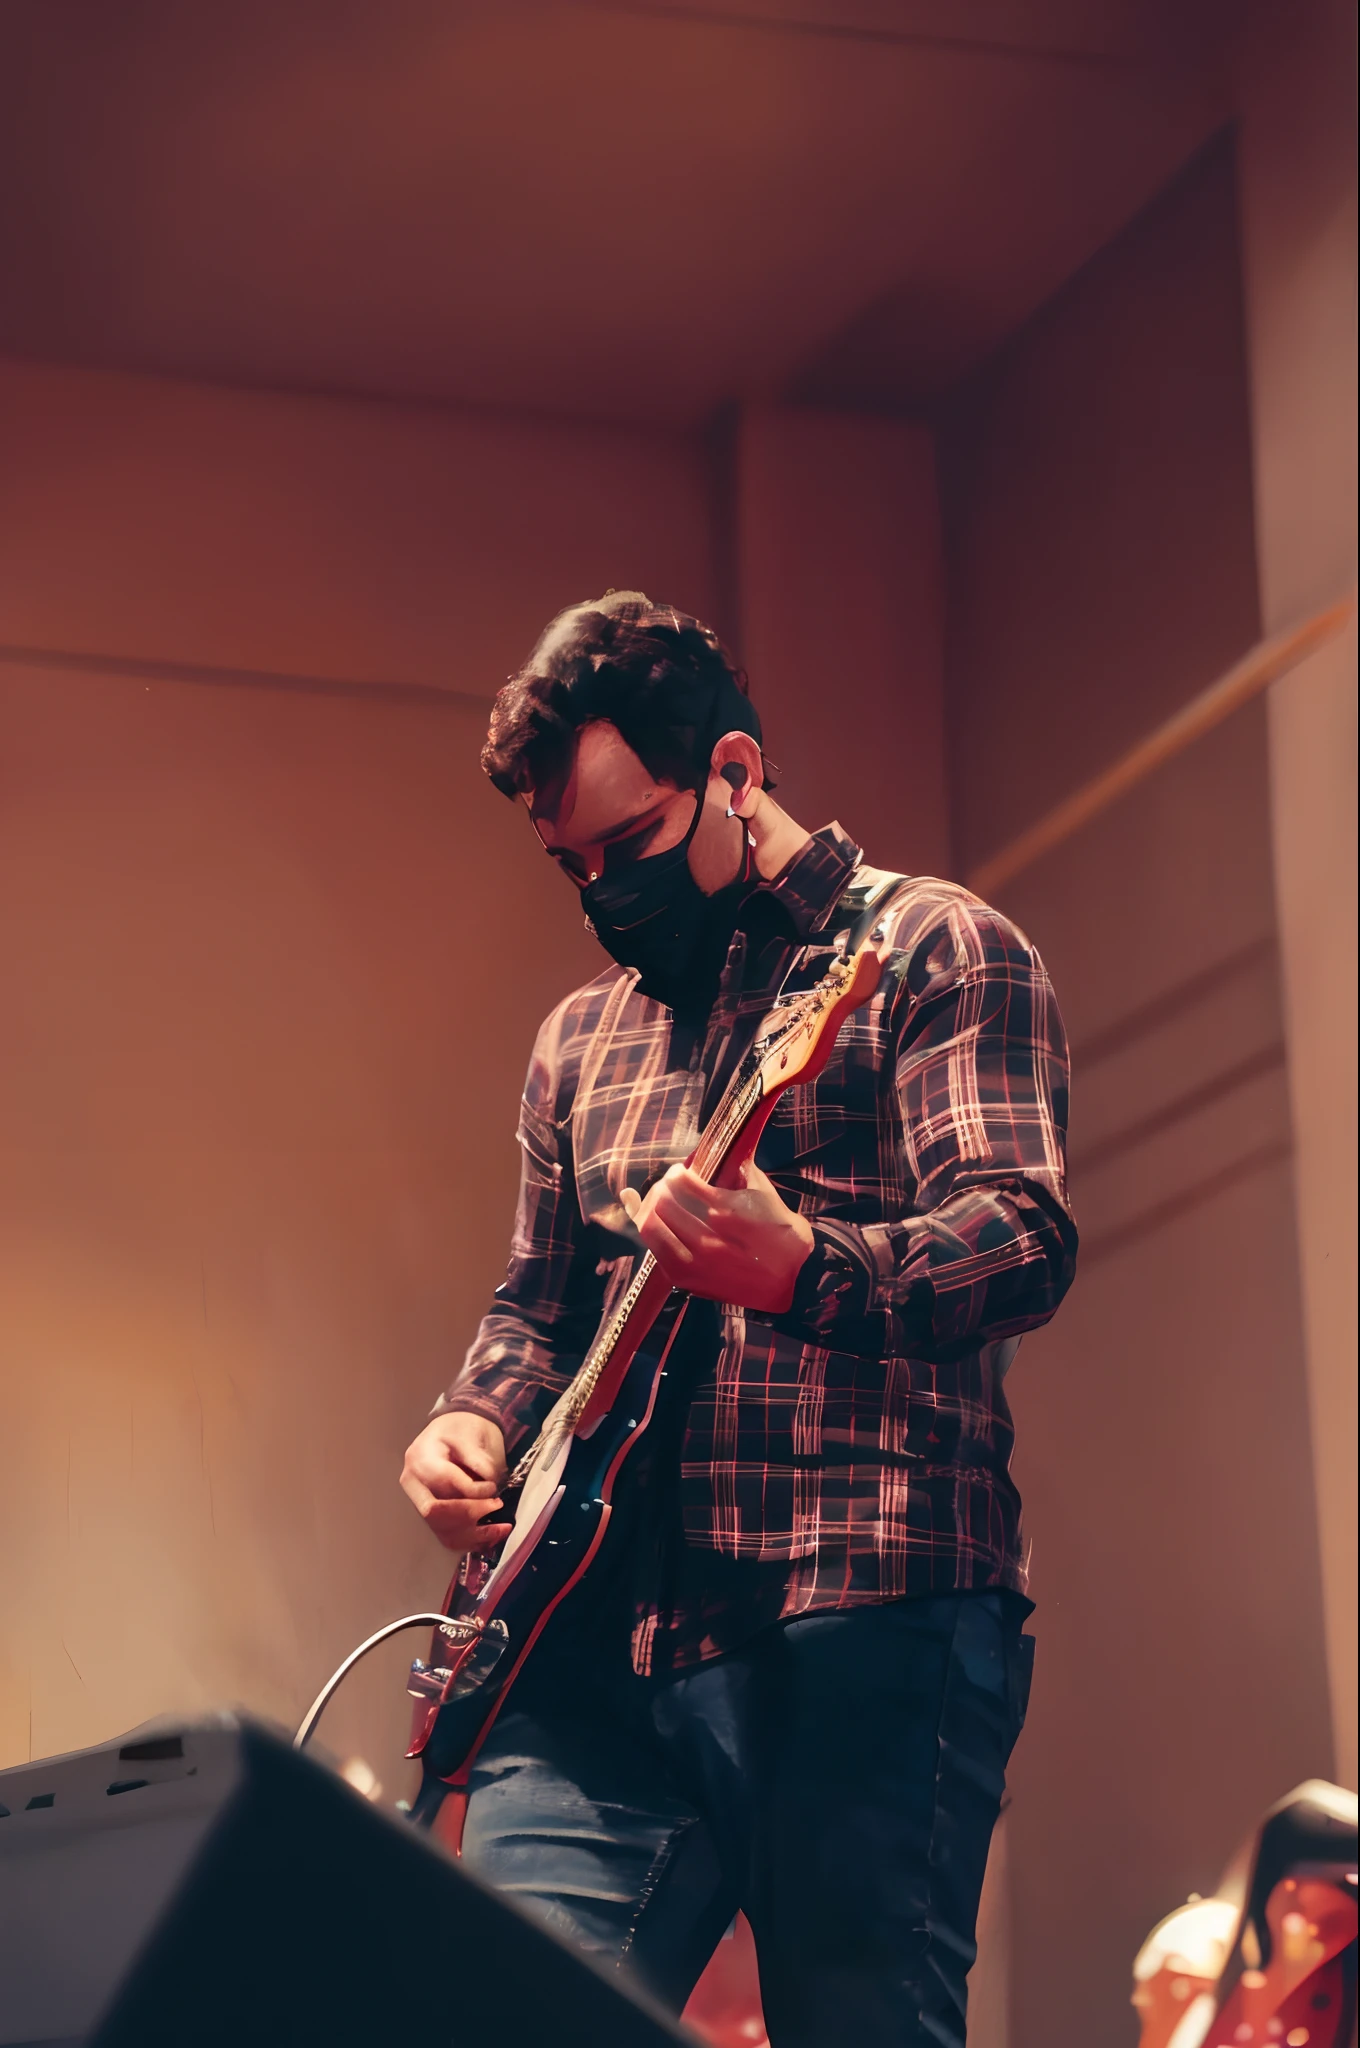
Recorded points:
(561,1520)
(498,1607)
(1271,1958)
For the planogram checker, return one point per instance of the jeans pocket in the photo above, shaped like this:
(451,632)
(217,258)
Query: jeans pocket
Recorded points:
(1022,1677)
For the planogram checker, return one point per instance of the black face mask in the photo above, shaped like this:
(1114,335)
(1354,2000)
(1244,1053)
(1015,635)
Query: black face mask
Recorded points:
(651,914)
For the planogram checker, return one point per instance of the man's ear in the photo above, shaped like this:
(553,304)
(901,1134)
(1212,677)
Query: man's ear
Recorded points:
(736,758)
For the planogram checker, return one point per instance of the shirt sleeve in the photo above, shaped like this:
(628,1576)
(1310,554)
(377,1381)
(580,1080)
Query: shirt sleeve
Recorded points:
(981,1078)
(544,1315)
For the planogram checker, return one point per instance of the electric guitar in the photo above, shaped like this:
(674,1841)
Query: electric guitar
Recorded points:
(561,1493)
(1271,1957)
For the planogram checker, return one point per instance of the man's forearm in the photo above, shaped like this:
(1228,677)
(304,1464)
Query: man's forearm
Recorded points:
(521,1359)
(510,1377)
(991,1261)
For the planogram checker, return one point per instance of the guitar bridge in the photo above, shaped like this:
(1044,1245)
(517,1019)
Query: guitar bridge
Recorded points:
(427,1681)
(477,1647)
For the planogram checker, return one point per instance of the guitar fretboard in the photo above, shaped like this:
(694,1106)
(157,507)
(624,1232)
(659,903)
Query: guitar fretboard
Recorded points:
(739,1099)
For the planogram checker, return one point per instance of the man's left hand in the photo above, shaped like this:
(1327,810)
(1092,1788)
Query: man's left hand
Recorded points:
(742,1244)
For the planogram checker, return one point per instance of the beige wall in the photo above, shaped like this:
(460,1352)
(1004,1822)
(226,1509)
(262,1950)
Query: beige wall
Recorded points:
(374,542)
(274,961)
(262,1048)
(1101,562)
(841,623)
(276,955)
(1296,81)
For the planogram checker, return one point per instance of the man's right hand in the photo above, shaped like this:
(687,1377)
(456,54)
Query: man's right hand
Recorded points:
(453,1475)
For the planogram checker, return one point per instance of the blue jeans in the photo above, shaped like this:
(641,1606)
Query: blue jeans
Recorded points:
(837,1779)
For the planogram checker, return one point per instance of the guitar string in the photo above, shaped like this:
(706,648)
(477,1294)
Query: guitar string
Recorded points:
(723,1127)
(739,1098)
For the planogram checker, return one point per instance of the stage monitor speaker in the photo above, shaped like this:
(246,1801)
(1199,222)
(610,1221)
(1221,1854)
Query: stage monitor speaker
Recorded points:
(205,1886)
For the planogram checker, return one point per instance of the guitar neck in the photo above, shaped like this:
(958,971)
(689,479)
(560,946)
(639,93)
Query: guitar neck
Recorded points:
(794,1046)
(729,1136)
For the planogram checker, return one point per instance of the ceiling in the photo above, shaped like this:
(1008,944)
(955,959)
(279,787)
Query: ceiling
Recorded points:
(617,209)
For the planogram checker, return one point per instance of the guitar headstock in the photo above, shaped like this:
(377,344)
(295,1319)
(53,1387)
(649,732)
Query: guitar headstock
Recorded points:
(796,1039)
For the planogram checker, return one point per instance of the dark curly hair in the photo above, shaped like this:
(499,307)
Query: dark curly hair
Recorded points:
(658,675)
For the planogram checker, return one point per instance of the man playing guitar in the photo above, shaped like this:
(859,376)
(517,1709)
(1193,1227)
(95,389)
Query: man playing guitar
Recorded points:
(791,1683)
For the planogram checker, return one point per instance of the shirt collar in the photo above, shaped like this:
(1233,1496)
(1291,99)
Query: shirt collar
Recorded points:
(809,887)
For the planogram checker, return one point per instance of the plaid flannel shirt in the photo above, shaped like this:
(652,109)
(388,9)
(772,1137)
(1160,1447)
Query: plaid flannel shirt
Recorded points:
(857,1448)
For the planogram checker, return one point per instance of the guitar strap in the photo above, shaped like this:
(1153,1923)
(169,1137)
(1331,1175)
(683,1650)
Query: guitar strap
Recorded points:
(865,898)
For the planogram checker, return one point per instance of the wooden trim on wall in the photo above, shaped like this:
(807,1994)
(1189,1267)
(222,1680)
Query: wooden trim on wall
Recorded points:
(145,669)
(1261,666)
